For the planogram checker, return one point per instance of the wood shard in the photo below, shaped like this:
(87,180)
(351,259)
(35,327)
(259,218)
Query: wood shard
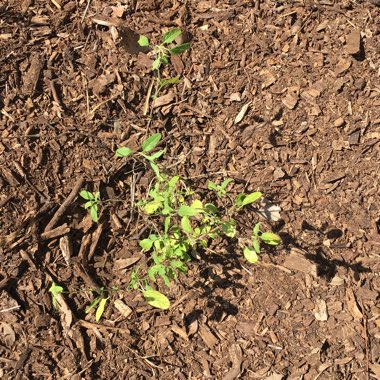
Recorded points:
(352,305)
(290,101)
(207,336)
(163,100)
(298,262)
(353,42)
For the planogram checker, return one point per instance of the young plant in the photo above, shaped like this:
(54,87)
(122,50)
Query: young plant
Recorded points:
(251,252)
(55,291)
(181,224)
(162,54)
(92,204)
(99,302)
(148,145)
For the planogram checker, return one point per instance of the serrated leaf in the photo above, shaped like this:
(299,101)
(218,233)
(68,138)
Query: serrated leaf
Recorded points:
(171,35)
(100,309)
(55,290)
(124,151)
(156,299)
(185,210)
(186,225)
(143,41)
(270,238)
(151,142)
(250,198)
(250,255)
(156,64)
(86,195)
(179,49)
(146,244)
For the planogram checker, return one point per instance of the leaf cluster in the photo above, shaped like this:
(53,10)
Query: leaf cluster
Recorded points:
(182,224)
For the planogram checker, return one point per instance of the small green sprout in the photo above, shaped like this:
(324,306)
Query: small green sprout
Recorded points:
(92,204)
(55,291)
(270,238)
(149,144)
(99,302)
(162,54)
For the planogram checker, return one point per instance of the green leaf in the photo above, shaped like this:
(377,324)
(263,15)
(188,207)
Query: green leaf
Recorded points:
(55,291)
(225,183)
(164,59)
(152,207)
(92,305)
(250,198)
(212,186)
(239,200)
(146,244)
(154,155)
(155,168)
(156,64)
(97,196)
(100,309)
(143,41)
(186,225)
(185,210)
(197,204)
(256,229)
(151,142)
(256,245)
(270,238)
(179,49)
(124,152)
(210,208)
(86,195)
(250,255)
(88,204)
(156,299)
(167,82)
(94,213)
(229,228)
(173,181)
(167,224)
(171,35)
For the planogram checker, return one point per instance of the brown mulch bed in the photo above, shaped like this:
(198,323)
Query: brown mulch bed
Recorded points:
(73,88)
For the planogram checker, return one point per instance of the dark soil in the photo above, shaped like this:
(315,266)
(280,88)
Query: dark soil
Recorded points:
(73,85)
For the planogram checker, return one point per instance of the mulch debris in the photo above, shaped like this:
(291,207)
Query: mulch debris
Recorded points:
(283,97)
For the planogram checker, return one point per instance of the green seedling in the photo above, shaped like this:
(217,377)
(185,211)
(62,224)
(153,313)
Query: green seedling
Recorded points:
(99,303)
(220,189)
(258,237)
(181,224)
(162,53)
(92,204)
(55,291)
(148,145)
